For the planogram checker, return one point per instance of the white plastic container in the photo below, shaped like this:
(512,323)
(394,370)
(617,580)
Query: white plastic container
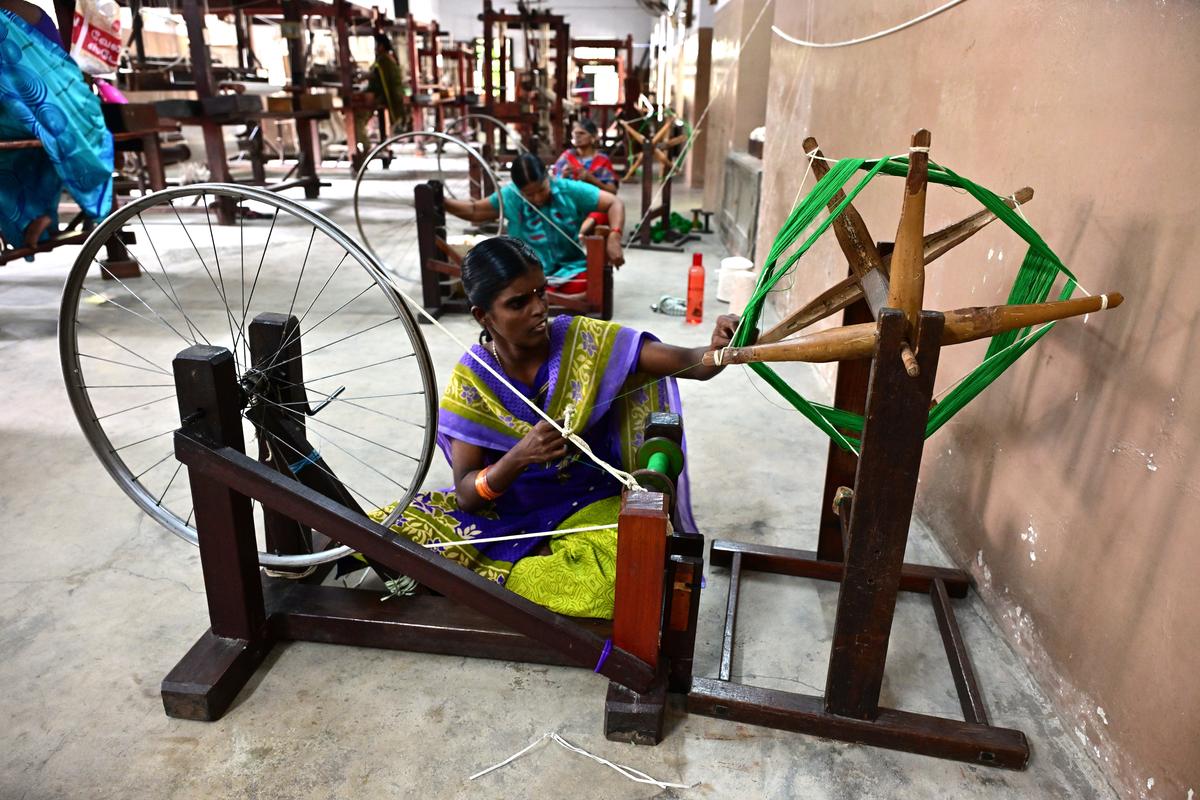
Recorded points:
(731,267)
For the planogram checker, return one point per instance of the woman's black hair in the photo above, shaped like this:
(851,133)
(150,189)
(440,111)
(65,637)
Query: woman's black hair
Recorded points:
(588,125)
(526,169)
(493,264)
(385,43)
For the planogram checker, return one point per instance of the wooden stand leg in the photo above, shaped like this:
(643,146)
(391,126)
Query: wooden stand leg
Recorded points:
(275,348)
(884,489)
(631,716)
(205,682)
(850,394)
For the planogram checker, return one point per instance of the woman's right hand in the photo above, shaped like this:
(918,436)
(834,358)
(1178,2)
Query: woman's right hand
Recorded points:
(542,444)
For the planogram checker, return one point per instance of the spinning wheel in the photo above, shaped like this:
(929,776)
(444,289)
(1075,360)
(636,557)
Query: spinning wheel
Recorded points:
(282,281)
(383,193)
(491,137)
(887,356)
(661,145)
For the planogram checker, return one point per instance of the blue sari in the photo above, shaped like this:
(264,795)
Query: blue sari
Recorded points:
(43,95)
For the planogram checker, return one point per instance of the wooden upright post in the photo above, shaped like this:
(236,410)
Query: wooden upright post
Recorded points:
(214,141)
(884,488)
(275,350)
(631,716)
(850,394)
(205,682)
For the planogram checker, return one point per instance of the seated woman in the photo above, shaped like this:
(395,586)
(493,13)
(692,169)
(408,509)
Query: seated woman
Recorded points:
(513,472)
(585,162)
(546,214)
(43,95)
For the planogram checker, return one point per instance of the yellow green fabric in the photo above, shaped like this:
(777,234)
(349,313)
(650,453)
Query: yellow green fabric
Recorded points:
(578,578)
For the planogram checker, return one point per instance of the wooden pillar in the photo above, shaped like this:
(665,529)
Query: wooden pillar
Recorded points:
(341,16)
(884,489)
(274,341)
(631,716)
(204,683)
(214,141)
(850,394)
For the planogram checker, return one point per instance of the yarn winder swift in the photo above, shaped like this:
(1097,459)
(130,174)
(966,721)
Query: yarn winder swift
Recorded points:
(888,402)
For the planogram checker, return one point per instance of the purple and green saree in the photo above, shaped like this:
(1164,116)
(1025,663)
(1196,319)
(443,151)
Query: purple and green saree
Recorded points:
(592,370)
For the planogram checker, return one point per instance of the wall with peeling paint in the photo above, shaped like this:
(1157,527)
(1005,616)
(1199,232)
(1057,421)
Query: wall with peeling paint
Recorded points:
(1071,488)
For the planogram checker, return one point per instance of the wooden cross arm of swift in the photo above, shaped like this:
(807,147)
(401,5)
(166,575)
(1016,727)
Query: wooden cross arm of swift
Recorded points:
(962,325)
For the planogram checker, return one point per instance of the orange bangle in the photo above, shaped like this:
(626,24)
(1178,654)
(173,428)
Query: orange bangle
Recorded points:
(481,485)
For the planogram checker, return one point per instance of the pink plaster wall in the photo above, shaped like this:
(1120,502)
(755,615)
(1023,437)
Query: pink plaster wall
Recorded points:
(1071,487)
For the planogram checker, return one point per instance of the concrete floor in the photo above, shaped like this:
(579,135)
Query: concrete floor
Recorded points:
(98,602)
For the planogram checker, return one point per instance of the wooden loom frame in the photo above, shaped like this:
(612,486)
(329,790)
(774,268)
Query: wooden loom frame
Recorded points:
(652,635)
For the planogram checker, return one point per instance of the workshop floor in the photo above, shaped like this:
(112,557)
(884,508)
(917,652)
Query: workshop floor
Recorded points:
(98,602)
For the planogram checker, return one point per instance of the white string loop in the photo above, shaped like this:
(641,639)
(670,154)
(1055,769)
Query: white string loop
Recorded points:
(623,477)
(803,43)
(632,774)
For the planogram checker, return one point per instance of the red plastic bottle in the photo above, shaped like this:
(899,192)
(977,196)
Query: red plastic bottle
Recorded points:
(695,292)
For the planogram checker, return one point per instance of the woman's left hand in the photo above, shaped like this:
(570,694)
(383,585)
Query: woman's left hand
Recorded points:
(723,331)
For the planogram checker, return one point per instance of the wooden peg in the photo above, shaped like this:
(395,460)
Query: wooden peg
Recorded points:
(847,291)
(962,325)
(907,278)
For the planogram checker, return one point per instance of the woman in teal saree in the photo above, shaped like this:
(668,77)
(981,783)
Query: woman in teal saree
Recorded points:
(513,472)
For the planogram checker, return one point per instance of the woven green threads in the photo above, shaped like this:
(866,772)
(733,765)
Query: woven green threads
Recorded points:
(1038,272)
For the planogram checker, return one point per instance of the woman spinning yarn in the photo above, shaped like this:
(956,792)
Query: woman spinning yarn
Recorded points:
(513,472)
(546,214)
(585,162)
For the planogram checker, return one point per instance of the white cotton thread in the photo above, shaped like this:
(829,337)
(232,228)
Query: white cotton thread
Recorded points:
(1103,302)
(632,774)
(621,475)
(860,40)
(918,149)
(514,537)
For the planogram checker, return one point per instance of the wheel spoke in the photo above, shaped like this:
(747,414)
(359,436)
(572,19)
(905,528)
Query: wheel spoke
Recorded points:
(140,441)
(134,408)
(131,352)
(357,369)
(155,464)
(123,364)
(159,499)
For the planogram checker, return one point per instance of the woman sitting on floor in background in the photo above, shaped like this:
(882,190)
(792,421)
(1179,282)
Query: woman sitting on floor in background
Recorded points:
(43,95)
(546,213)
(513,472)
(585,162)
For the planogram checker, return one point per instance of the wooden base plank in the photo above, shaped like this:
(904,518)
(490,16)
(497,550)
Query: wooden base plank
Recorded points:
(636,718)
(205,682)
(894,730)
(805,564)
(421,624)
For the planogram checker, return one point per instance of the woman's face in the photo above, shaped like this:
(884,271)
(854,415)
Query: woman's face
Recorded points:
(537,193)
(520,312)
(581,138)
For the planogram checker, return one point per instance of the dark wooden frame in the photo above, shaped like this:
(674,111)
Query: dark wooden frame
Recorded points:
(863,532)
(440,265)
(509,112)
(673,241)
(471,616)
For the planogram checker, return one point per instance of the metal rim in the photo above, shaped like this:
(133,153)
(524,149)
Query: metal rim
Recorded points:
(447,138)
(69,355)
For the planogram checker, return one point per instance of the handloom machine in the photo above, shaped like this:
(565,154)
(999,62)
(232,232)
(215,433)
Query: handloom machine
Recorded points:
(292,510)
(149,409)
(540,94)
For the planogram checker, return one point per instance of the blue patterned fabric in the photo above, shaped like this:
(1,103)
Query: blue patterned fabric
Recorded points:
(43,95)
